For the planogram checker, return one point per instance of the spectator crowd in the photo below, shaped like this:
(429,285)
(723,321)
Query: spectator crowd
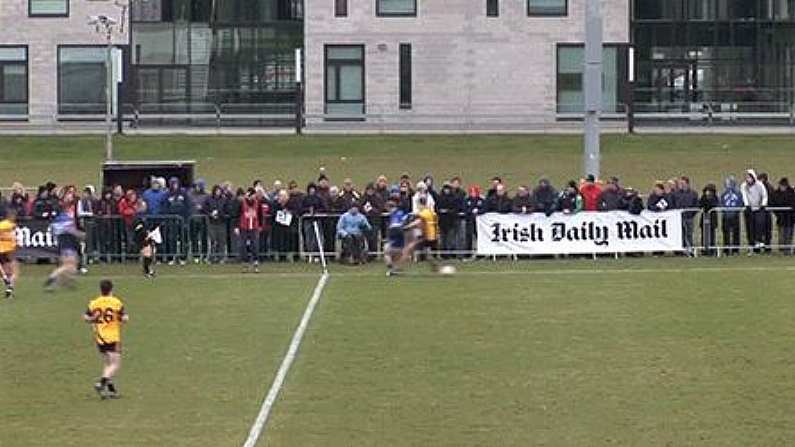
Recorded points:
(272,221)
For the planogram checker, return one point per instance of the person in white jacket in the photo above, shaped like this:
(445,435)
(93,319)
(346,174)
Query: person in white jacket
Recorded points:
(422,192)
(755,200)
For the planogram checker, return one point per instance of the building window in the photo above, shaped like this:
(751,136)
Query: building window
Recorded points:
(341,8)
(345,79)
(13,81)
(405,76)
(81,80)
(547,7)
(396,8)
(48,8)
(570,74)
(492,8)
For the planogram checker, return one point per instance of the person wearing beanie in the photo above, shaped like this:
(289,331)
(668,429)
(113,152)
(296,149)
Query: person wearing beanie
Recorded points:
(708,201)
(730,199)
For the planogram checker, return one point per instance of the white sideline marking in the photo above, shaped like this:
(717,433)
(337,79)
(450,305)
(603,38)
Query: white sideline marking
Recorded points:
(541,271)
(278,381)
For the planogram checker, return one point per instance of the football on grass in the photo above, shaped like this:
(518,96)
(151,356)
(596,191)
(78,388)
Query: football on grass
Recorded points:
(447,270)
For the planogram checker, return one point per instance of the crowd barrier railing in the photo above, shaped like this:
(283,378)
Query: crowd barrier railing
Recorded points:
(716,232)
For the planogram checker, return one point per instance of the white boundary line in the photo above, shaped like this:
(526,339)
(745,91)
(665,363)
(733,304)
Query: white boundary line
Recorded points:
(292,351)
(530,271)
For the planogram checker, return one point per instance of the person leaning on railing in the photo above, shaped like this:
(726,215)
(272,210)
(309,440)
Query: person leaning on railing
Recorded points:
(731,198)
(755,200)
(449,207)
(784,197)
(685,198)
(708,201)
(217,210)
(372,206)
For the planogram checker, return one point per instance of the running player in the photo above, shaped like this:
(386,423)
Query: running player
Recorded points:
(146,246)
(427,222)
(9,269)
(396,238)
(106,315)
(68,236)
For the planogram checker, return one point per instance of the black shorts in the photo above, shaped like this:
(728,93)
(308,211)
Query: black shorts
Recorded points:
(430,245)
(6,258)
(109,347)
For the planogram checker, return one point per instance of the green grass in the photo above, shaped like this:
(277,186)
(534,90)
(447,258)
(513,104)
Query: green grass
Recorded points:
(199,353)
(639,160)
(652,352)
(646,352)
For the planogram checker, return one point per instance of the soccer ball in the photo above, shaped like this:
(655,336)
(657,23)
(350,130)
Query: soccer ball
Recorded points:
(447,270)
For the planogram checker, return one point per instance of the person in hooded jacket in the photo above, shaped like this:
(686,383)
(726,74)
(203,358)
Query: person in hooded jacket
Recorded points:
(686,199)
(610,198)
(784,197)
(731,198)
(178,207)
(450,207)
(523,201)
(217,210)
(755,199)
(570,200)
(311,205)
(631,202)
(545,197)
(372,206)
(473,206)
(708,200)
(198,224)
(658,199)
(500,201)
(767,228)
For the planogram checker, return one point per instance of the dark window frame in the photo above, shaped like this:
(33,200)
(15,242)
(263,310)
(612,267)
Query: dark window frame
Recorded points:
(492,8)
(340,8)
(565,12)
(337,63)
(380,13)
(58,75)
(27,76)
(66,14)
(405,76)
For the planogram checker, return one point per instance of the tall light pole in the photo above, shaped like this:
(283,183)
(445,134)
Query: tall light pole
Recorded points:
(106,26)
(593,86)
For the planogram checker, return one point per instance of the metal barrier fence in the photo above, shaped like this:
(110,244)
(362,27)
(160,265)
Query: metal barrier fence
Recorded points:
(717,232)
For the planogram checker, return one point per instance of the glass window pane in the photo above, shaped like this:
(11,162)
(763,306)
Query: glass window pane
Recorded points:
(83,54)
(351,83)
(8,54)
(15,83)
(570,60)
(49,7)
(341,108)
(397,7)
(331,83)
(546,7)
(349,53)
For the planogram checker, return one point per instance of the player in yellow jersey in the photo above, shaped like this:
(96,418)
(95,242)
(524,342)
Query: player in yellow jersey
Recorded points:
(106,315)
(427,221)
(9,269)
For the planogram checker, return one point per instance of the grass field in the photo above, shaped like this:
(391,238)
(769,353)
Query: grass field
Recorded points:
(639,160)
(652,352)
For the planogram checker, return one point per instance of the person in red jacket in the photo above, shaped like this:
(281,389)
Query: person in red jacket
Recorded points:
(129,206)
(248,229)
(590,190)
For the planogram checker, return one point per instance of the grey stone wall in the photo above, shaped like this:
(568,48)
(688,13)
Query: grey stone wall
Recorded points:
(42,35)
(468,69)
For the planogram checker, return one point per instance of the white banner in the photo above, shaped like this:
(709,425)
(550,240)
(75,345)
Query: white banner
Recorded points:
(581,233)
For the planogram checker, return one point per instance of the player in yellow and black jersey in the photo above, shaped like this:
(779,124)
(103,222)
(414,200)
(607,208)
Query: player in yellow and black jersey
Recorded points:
(106,316)
(9,269)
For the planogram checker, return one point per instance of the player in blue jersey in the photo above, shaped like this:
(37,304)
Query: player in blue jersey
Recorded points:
(394,252)
(64,229)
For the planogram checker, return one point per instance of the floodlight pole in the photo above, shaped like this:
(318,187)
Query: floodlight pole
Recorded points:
(593,86)
(109,96)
